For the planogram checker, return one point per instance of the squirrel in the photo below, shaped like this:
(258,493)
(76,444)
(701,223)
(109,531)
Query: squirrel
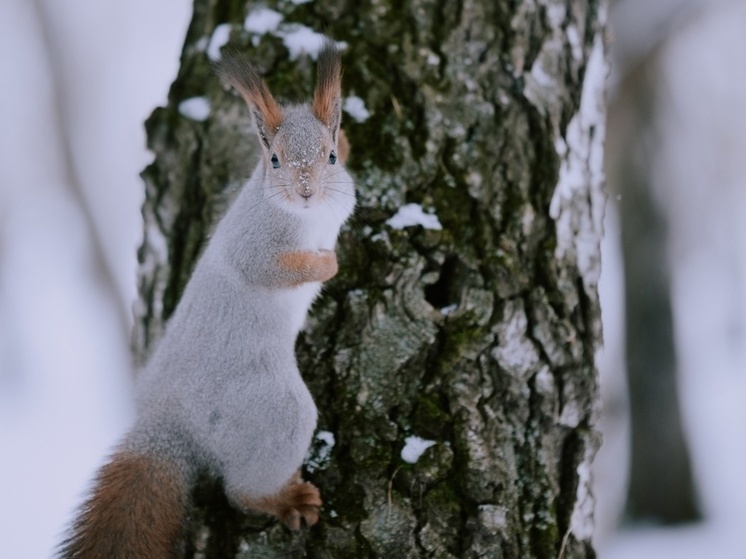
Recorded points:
(222,394)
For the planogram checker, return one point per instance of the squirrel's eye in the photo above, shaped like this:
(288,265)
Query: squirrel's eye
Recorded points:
(332,158)
(275,161)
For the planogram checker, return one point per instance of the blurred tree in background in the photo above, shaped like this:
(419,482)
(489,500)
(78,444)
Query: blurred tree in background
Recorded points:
(661,486)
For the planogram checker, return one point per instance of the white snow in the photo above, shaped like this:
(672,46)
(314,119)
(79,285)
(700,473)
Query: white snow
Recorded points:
(318,456)
(262,20)
(355,107)
(414,447)
(410,215)
(581,173)
(195,108)
(581,521)
(450,309)
(431,58)
(327,437)
(694,541)
(299,39)
(220,36)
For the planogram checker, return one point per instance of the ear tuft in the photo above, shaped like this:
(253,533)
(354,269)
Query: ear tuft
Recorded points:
(242,75)
(327,102)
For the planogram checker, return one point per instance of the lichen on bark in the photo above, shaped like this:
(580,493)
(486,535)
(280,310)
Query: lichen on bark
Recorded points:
(479,337)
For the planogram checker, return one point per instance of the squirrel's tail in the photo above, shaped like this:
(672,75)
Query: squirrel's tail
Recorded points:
(136,509)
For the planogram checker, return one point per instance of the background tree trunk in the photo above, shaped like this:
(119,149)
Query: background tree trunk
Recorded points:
(478,337)
(661,487)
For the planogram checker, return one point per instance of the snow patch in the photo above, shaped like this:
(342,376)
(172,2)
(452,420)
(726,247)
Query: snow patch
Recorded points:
(571,415)
(195,108)
(220,37)
(445,311)
(581,521)
(262,20)
(320,451)
(581,173)
(414,447)
(327,437)
(545,381)
(355,107)
(299,39)
(410,215)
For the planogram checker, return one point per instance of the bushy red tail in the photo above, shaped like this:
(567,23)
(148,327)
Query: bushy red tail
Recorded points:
(136,510)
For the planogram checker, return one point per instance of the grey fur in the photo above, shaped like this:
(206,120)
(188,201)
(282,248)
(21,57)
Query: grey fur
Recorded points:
(224,377)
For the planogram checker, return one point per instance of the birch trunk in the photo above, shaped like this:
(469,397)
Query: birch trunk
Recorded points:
(477,337)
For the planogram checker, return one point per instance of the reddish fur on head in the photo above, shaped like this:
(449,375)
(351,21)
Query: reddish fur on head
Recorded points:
(343,147)
(242,75)
(136,509)
(327,97)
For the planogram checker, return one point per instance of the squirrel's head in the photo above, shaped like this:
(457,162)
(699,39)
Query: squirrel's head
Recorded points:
(299,143)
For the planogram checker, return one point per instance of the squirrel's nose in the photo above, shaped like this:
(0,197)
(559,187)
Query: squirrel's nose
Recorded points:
(305,186)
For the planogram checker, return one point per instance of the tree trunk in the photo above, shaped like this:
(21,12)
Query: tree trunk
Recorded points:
(476,338)
(661,487)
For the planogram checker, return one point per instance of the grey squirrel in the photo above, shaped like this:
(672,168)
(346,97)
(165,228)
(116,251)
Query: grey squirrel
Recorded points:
(222,393)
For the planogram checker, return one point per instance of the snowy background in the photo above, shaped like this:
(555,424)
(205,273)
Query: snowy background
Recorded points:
(81,76)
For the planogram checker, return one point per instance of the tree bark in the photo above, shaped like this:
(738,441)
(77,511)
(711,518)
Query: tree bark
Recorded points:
(478,337)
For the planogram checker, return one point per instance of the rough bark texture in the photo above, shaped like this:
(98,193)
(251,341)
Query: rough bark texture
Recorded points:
(480,336)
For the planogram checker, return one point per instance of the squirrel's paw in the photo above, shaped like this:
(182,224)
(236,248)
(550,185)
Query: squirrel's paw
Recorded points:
(327,264)
(298,502)
(300,267)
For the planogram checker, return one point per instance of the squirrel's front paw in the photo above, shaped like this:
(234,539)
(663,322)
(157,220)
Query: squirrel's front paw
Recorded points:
(305,266)
(328,266)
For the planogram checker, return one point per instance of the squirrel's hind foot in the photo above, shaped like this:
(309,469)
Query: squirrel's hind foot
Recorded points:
(297,503)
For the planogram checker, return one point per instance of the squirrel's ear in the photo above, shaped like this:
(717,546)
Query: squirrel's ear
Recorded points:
(327,98)
(240,73)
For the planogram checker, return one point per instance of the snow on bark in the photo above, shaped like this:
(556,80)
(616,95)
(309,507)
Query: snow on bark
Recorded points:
(579,224)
